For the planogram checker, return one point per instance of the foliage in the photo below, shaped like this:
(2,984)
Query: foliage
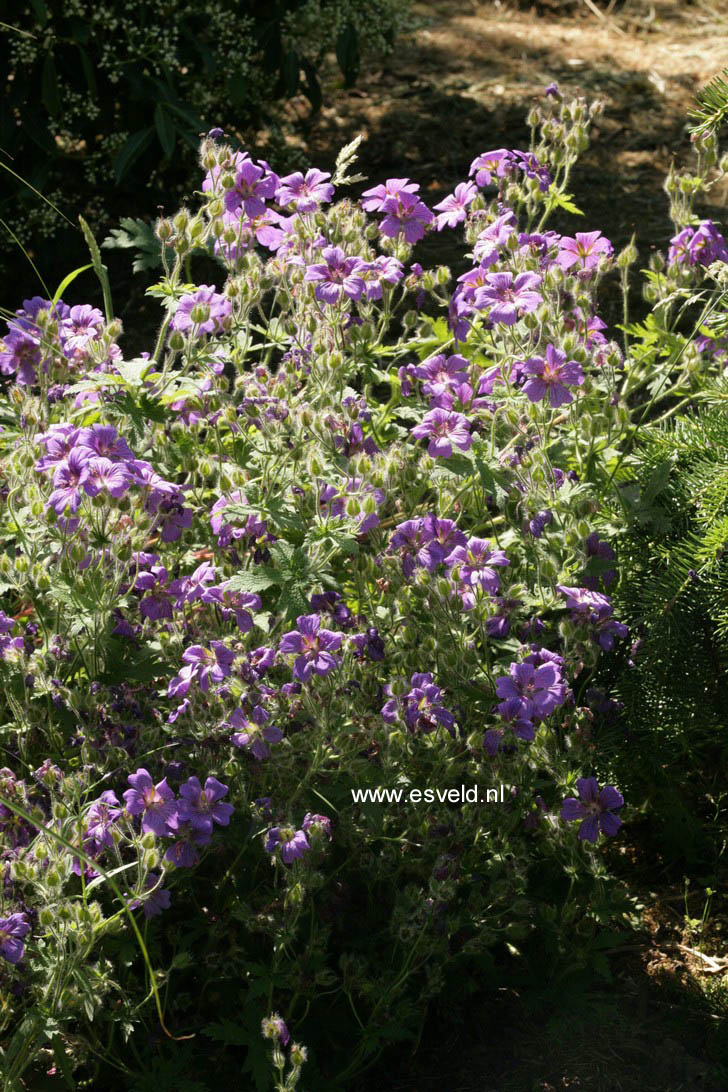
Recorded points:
(712,107)
(279,594)
(674,526)
(103,104)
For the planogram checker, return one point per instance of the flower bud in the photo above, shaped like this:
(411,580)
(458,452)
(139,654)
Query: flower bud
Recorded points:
(200,313)
(163,230)
(298,1055)
(628,256)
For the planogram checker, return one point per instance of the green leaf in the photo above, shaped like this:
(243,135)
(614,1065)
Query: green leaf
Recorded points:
(138,234)
(282,553)
(657,481)
(294,600)
(99,268)
(228,1032)
(255,580)
(457,463)
(88,71)
(144,669)
(166,130)
(136,144)
(133,371)
(49,86)
(712,106)
(565,201)
(68,280)
(262,621)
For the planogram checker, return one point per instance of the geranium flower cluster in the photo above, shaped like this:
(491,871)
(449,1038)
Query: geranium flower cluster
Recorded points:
(371,545)
(701,245)
(161,596)
(291,844)
(78,332)
(531,691)
(420,707)
(593,611)
(94,460)
(472,563)
(187,820)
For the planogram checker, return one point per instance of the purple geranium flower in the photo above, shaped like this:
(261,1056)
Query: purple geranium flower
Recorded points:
(406,215)
(551,376)
(594,808)
(12,931)
(540,690)
(203,311)
(273,1027)
(453,208)
(490,165)
(445,428)
(601,550)
(103,441)
(203,664)
(320,823)
(507,298)
(70,479)
(442,373)
(313,645)
(82,325)
(292,843)
(708,245)
(441,537)
(376,199)
(103,475)
(383,270)
(156,803)
(20,352)
(495,234)
(420,707)
(305,192)
(253,732)
(337,275)
(477,564)
(183,852)
(584,251)
(201,807)
(593,609)
(253,185)
(511,712)
(529,164)
(156,603)
(100,818)
(158,898)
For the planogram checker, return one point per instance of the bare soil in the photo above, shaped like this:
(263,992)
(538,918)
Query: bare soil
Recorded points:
(463,80)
